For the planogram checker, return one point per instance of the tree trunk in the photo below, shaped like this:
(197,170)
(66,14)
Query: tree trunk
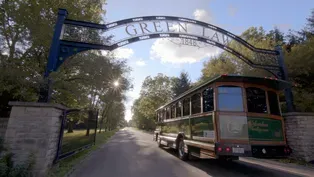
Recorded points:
(99,129)
(100,124)
(90,115)
(87,126)
(70,127)
(87,132)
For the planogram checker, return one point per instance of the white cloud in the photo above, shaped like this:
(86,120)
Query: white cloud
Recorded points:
(140,62)
(123,52)
(134,94)
(203,15)
(170,52)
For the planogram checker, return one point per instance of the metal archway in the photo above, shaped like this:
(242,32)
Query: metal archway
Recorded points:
(71,37)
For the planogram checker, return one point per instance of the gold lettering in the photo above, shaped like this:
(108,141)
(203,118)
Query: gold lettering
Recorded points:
(168,27)
(144,28)
(127,30)
(155,25)
(258,127)
(184,29)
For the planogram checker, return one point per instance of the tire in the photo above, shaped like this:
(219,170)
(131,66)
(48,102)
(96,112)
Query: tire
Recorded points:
(181,146)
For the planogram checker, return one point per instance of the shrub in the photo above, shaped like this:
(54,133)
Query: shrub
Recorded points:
(9,169)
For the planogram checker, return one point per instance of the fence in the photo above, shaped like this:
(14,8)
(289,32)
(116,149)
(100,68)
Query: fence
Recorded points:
(77,133)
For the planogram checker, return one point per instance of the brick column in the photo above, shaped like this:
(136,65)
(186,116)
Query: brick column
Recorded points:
(34,128)
(300,134)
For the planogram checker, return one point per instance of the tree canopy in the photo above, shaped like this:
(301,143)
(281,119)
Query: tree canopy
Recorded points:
(154,93)
(298,49)
(181,84)
(298,53)
(84,81)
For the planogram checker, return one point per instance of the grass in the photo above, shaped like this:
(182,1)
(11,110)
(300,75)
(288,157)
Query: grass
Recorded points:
(66,165)
(146,131)
(294,161)
(76,139)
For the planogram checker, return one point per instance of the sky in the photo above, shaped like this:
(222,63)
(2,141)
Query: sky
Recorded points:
(150,57)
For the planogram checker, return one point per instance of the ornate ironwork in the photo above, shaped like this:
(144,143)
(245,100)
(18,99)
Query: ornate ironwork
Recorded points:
(72,37)
(80,36)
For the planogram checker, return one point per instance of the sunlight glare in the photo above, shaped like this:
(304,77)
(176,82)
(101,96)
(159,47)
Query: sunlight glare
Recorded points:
(116,83)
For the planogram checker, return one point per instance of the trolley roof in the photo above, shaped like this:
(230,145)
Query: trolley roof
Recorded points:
(269,82)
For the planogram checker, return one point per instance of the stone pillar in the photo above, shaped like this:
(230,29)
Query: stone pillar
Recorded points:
(300,134)
(34,128)
(3,126)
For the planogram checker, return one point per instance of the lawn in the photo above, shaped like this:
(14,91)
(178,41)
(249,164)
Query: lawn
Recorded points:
(66,165)
(77,139)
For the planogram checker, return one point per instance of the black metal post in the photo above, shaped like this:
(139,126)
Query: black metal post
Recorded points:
(284,76)
(60,136)
(96,127)
(45,89)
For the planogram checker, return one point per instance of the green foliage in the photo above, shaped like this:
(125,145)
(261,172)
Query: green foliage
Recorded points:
(226,63)
(217,66)
(308,31)
(295,161)
(77,139)
(181,84)
(84,81)
(66,165)
(26,31)
(154,93)
(301,72)
(9,169)
(298,51)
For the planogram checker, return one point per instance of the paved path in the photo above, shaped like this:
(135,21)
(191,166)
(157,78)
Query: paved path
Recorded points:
(132,153)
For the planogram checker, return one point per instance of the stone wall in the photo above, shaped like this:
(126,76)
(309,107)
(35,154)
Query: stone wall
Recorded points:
(300,134)
(33,129)
(3,126)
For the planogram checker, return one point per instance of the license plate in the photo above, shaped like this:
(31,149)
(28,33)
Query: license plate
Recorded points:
(238,150)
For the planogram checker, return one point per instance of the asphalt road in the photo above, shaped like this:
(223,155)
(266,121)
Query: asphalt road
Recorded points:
(132,153)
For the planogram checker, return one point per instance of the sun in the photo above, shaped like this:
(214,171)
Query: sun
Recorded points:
(116,83)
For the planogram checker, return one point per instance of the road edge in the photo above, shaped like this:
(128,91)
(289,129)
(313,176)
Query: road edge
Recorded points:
(293,169)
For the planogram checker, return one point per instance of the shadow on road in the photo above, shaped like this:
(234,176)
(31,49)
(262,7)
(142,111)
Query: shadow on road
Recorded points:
(218,168)
(131,153)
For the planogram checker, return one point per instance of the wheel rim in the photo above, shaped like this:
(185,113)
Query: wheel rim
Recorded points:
(181,148)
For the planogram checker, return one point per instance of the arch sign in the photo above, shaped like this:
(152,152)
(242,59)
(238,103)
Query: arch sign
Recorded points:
(72,37)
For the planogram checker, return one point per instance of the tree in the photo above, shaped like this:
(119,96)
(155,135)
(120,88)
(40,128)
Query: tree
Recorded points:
(300,68)
(226,63)
(24,46)
(131,123)
(181,84)
(298,57)
(82,82)
(217,66)
(308,31)
(154,93)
